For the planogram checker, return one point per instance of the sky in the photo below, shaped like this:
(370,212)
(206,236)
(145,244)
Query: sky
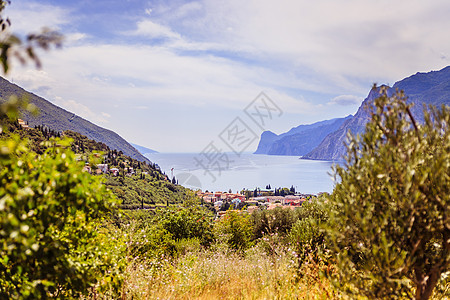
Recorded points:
(174,75)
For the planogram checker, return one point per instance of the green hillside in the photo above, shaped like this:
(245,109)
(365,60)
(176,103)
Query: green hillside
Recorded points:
(137,184)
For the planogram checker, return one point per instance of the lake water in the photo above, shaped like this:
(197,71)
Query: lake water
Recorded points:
(246,171)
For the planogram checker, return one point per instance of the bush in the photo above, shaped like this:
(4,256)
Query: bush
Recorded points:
(235,229)
(306,235)
(49,216)
(278,220)
(187,222)
(391,223)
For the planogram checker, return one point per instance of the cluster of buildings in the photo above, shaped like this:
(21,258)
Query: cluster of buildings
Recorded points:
(100,169)
(103,169)
(23,123)
(252,203)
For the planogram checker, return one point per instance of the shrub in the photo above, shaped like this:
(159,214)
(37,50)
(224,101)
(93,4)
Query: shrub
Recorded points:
(186,222)
(391,223)
(278,220)
(306,235)
(49,214)
(235,229)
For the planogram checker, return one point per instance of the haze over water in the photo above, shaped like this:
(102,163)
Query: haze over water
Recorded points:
(249,171)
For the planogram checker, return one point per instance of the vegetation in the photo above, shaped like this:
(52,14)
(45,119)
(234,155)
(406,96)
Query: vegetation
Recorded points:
(383,233)
(48,221)
(137,184)
(391,224)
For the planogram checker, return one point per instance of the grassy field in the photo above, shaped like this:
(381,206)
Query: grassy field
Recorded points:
(218,274)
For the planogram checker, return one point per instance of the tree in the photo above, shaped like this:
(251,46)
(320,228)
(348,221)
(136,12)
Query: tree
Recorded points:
(391,224)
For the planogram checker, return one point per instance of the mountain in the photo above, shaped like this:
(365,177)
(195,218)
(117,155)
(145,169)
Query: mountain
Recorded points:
(60,119)
(299,140)
(421,88)
(143,150)
(266,141)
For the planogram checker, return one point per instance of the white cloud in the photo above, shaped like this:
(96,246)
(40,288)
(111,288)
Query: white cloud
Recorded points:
(32,16)
(348,38)
(212,58)
(346,100)
(153,30)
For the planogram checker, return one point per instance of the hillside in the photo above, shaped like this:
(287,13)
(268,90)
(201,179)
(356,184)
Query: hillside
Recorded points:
(60,120)
(421,88)
(137,184)
(299,140)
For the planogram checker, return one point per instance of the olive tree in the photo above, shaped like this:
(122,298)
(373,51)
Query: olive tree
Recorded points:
(391,225)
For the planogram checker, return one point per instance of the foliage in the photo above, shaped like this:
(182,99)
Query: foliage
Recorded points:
(306,236)
(278,220)
(391,223)
(187,222)
(49,214)
(235,229)
(138,185)
(136,192)
(148,241)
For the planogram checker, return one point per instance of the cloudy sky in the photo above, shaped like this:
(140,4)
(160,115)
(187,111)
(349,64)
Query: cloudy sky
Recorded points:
(171,75)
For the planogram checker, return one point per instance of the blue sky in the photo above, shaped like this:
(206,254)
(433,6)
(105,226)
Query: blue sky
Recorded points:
(171,75)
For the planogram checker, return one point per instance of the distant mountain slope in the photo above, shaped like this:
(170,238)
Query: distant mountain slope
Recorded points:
(421,88)
(299,140)
(59,119)
(265,142)
(143,150)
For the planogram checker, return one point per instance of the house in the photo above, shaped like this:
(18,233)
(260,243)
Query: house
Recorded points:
(274,205)
(251,209)
(87,168)
(23,124)
(114,171)
(102,168)
(218,204)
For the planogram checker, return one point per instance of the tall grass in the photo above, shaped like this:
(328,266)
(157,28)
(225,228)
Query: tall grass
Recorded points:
(220,274)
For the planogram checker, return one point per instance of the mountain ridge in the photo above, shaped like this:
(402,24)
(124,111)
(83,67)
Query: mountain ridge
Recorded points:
(59,119)
(298,140)
(421,89)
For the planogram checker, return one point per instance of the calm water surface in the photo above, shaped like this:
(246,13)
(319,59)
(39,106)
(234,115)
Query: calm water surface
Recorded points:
(248,171)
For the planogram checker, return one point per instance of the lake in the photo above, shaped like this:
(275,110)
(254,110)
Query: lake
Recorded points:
(247,171)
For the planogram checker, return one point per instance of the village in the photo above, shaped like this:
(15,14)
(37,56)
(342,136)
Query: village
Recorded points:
(264,199)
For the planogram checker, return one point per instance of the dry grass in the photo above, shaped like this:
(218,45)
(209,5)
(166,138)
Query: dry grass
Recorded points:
(221,275)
